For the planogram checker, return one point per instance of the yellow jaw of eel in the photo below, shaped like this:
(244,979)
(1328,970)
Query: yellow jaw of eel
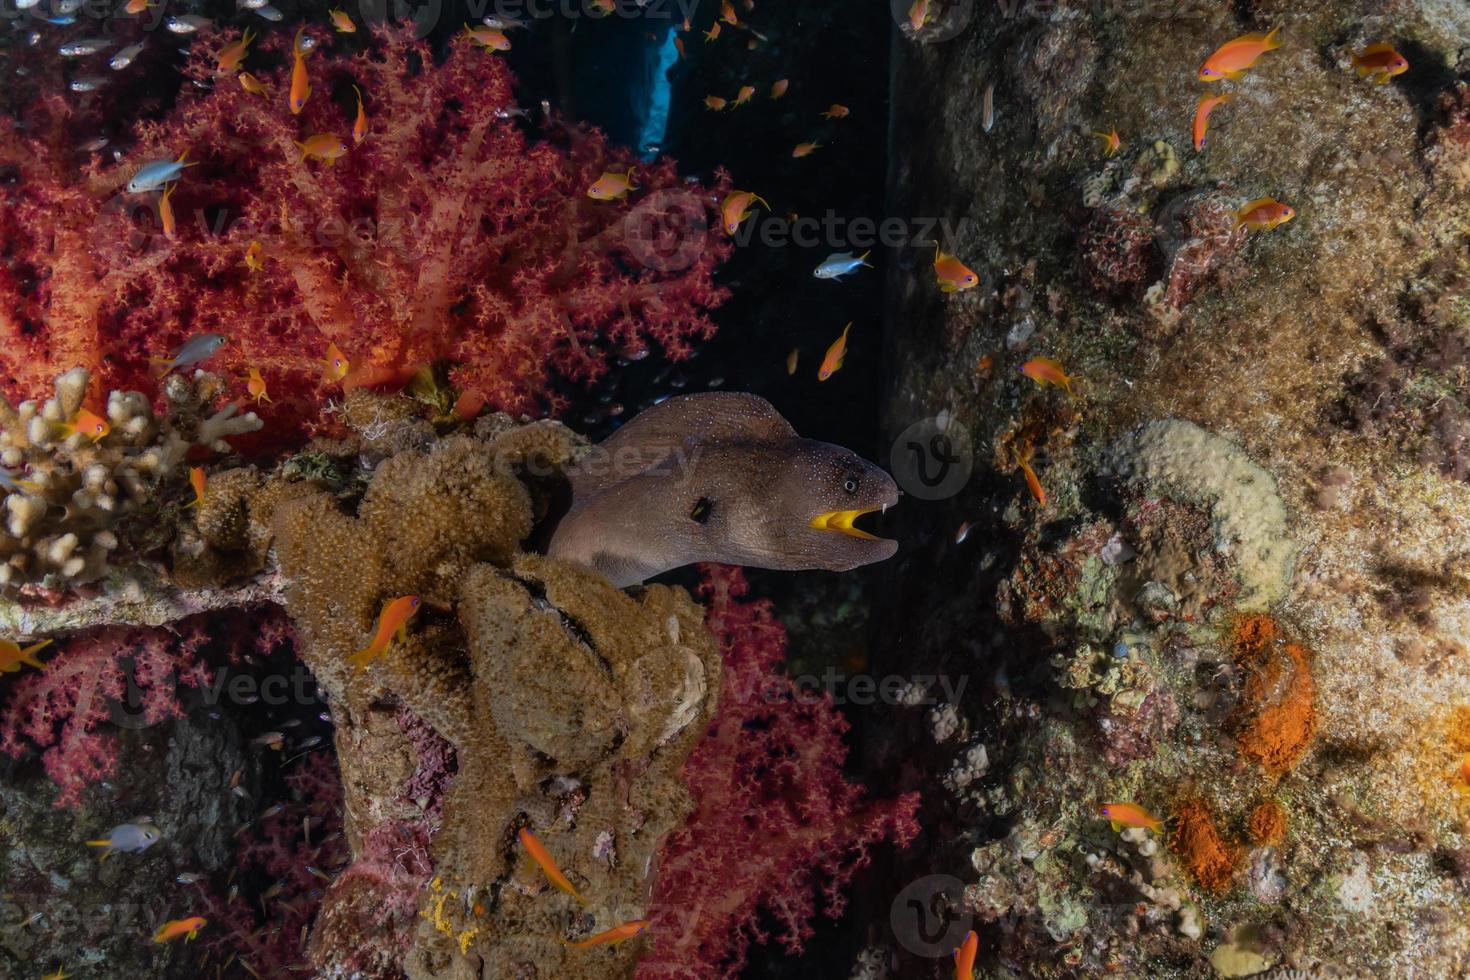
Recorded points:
(841,522)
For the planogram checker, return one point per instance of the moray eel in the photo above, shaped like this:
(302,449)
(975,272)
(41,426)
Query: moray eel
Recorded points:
(719,477)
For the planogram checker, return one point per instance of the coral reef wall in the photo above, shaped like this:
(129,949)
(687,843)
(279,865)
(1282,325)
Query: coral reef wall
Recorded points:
(1242,603)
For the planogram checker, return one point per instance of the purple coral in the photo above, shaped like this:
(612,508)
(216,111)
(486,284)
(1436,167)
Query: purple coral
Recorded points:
(1117,250)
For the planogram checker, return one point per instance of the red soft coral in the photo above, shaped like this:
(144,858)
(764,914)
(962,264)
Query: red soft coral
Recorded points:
(775,825)
(445,235)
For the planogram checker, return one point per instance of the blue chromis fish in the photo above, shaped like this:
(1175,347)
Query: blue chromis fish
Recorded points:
(129,838)
(839,264)
(155,173)
(195,349)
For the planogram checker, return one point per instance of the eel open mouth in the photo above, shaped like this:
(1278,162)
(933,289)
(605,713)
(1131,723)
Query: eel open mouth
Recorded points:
(841,522)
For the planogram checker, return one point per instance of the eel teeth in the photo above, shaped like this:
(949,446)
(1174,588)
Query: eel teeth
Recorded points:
(841,521)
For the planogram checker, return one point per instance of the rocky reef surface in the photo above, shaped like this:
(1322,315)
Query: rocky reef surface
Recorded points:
(1239,599)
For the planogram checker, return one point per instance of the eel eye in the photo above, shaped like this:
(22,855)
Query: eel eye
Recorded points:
(700,513)
(850,484)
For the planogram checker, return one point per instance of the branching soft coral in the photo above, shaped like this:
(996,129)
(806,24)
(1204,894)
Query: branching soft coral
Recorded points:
(118,677)
(62,710)
(776,825)
(444,235)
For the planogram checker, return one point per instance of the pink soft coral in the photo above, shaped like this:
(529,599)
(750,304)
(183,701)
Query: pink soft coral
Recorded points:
(776,826)
(446,235)
(64,710)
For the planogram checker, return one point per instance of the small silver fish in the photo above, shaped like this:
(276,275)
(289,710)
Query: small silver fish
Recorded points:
(187,23)
(270,13)
(987,108)
(125,57)
(307,44)
(274,739)
(197,349)
(68,6)
(87,83)
(63,21)
(962,532)
(252,4)
(82,47)
(501,22)
(25,4)
(155,173)
(129,838)
(190,878)
(839,264)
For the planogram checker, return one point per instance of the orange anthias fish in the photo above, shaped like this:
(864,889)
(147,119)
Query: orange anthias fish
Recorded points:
(176,928)
(328,147)
(489,38)
(166,213)
(1122,815)
(779,87)
(951,274)
(1263,214)
(13,655)
(964,957)
(714,102)
(255,384)
(1033,483)
(231,55)
(199,481)
(360,124)
(743,96)
(832,363)
(736,207)
(919,14)
(253,260)
(252,84)
(612,186)
(611,937)
(1045,371)
(1380,62)
(392,620)
(543,859)
(792,359)
(1112,142)
(300,82)
(712,33)
(679,46)
(89,424)
(1207,104)
(805,150)
(342,22)
(836,111)
(136,6)
(336,365)
(727,13)
(1232,58)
